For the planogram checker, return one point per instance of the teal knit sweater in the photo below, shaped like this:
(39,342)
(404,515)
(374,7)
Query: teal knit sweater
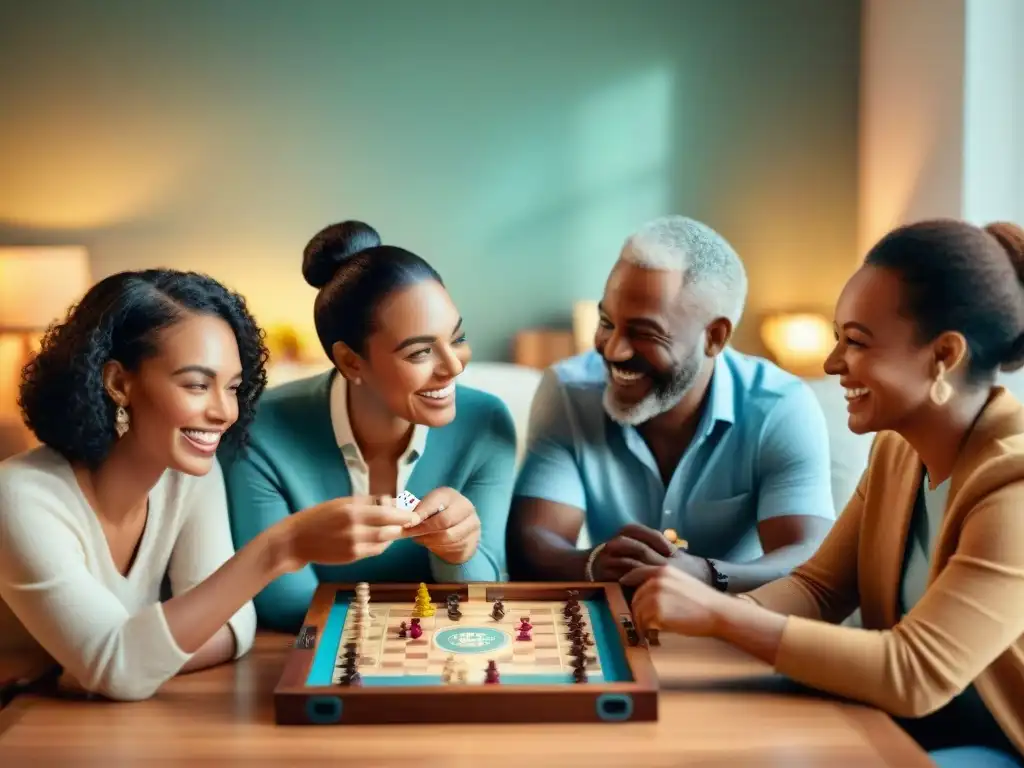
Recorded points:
(293,462)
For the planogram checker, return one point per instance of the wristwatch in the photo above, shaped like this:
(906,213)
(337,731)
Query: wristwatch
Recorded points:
(719,580)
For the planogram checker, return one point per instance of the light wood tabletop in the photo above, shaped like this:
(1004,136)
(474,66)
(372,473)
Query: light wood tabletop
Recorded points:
(717,707)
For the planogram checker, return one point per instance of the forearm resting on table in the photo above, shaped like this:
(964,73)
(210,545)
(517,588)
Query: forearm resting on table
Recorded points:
(750,628)
(743,577)
(195,616)
(216,650)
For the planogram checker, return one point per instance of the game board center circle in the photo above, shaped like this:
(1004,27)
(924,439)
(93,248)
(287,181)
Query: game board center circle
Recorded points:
(470,639)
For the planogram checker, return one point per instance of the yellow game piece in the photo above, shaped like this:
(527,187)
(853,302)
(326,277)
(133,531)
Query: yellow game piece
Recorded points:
(673,537)
(423,606)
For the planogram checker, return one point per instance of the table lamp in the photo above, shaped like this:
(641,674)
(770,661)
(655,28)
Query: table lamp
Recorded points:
(37,286)
(585,319)
(799,341)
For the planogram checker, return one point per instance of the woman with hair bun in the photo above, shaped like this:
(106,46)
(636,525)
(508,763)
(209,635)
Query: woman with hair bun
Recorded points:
(131,397)
(931,546)
(388,418)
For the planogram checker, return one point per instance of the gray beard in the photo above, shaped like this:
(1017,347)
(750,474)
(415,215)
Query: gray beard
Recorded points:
(660,399)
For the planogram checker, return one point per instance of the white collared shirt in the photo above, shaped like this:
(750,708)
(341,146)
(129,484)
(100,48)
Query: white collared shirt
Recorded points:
(358,470)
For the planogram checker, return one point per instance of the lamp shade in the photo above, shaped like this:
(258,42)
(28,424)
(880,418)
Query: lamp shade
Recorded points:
(39,283)
(799,341)
(585,319)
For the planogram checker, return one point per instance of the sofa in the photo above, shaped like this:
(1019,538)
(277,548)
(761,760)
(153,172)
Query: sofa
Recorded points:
(516,385)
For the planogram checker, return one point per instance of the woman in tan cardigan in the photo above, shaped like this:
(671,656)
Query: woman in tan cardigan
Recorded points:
(931,546)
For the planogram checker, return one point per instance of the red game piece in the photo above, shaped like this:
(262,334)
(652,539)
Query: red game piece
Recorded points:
(492,673)
(524,628)
(415,630)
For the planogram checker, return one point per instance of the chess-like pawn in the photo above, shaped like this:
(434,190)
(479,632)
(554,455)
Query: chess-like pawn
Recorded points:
(448,670)
(492,674)
(415,631)
(498,612)
(423,605)
(403,630)
(524,628)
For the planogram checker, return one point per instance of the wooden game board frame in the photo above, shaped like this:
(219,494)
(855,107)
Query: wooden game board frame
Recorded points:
(600,701)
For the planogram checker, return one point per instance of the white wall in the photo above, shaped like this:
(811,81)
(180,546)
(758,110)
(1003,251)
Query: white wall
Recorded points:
(942,113)
(911,113)
(993,182)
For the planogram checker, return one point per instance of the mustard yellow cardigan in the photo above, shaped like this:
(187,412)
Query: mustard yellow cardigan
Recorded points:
(968,625)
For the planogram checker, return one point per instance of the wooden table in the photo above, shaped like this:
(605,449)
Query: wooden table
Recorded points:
(718,707)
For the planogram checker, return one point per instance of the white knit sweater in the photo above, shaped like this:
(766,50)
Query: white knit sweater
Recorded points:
(62,595)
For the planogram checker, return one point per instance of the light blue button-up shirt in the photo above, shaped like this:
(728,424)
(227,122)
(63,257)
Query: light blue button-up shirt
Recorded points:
(760,451)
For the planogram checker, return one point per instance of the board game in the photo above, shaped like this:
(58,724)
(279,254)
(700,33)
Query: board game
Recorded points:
(517,652)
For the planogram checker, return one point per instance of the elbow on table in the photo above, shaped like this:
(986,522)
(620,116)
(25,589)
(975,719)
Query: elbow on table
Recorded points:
(125,686)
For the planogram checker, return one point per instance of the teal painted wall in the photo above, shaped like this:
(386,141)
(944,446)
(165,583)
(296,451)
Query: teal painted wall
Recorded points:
(514,145)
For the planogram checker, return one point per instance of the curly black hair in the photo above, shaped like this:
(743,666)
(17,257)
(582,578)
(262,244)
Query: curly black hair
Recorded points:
(63,399)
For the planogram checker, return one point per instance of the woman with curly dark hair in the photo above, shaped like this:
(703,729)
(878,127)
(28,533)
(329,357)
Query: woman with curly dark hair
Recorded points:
(131,397)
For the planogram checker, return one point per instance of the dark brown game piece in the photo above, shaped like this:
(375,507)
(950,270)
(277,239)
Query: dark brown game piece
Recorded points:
(403,629)
(579,675)
(587,639)
(498,612)
(576,634)
(632,636)
(354,679)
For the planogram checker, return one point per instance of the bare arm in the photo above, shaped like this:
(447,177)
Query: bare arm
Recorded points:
(542,538)
(548,505)
(795,509)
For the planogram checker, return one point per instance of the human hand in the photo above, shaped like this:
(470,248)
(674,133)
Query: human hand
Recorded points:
(446,524)
(343,530)
(636,546)
(670,599)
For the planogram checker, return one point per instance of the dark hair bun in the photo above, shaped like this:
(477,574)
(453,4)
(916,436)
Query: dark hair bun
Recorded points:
(333,246)
(1011,237)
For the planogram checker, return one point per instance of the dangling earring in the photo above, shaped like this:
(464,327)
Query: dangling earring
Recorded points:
(121,421)
(941,389)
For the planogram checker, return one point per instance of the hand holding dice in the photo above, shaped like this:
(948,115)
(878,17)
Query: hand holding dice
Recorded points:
(341,531)
(446,524)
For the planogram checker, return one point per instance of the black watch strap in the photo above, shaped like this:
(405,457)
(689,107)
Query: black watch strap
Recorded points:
(719,580)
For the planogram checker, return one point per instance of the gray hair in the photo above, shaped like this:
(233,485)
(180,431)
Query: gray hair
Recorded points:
(705,258)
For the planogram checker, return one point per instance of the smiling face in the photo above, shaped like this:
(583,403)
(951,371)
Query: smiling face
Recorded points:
(652,337)
(414,355)
(182,399)
(886,372)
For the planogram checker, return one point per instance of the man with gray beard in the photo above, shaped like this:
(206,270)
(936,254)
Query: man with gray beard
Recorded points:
(663,433)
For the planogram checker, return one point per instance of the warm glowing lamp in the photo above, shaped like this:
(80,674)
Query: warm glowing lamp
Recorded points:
(585,317)
(37,286)
(799,342)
